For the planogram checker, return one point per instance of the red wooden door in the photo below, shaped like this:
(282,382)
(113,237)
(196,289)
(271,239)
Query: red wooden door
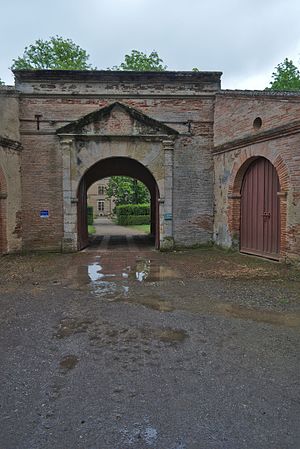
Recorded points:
(82,227)
(260,212)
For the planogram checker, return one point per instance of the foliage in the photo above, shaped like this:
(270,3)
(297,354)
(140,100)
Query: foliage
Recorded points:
(286,77)
(91,229)
(1,82)
(141,62)
(133,214)
(127,190)
(55,54)
(90,215)
(133,209)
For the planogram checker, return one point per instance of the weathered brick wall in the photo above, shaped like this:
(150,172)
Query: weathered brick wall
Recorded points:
(10,196)
(235,112)
(10,188)
(281,147)
(186,104)
(41,190)
(9,113)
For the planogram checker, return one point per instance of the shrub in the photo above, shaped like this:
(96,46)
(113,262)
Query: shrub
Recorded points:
(90,215)
(125,220)
(133,214)
(133,209)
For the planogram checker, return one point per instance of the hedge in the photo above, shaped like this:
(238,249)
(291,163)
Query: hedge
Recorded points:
(125,220)
(133,214)
(132,209)
(90,215)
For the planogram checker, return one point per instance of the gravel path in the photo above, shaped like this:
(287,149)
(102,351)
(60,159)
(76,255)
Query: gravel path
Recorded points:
(129,348)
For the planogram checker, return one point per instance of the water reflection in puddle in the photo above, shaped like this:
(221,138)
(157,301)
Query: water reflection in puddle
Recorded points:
(113,280)
(94,272)
(141,270)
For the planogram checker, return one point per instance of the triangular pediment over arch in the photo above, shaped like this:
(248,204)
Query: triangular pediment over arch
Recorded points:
(117,119)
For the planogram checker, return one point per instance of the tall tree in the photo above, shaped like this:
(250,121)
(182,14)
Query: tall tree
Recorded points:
(141,62)
(55,54)
(127,190)
(285,77)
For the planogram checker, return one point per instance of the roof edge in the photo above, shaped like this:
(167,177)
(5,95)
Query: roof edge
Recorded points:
(98,75)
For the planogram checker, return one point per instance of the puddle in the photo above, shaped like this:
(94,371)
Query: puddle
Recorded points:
(147,270)
(111,277)
(69,362)
(141,270)
(262,316)
(205,305)
(95,272)
(116,278)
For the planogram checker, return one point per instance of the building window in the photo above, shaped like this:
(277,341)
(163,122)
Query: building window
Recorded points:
(100,206)
(101,190)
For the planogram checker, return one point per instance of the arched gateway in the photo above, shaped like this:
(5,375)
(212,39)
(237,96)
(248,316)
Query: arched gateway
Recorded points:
(116,166)
(116,140)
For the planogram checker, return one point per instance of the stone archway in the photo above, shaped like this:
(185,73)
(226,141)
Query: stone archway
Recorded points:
(240,167)
(117,131)
(3,213)
(115,166)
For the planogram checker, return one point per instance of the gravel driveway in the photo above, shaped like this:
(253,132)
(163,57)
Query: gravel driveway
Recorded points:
(128,348)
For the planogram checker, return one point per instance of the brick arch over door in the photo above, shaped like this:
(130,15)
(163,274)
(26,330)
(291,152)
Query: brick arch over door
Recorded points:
(115,166)
(3,212)
(240,167)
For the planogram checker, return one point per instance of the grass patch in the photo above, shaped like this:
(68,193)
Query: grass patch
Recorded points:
(142,228)
(91,229)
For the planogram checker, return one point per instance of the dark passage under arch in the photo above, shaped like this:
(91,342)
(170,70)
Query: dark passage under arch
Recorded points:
(115,166)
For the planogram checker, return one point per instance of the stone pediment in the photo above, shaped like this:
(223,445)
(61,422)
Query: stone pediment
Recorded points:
(116,119)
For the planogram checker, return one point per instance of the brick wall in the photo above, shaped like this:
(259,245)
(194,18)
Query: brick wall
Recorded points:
(185,104)
(240,145)
(3,213)
(235,112)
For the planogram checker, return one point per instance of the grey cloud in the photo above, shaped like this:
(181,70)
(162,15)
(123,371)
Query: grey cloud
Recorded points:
(240,38)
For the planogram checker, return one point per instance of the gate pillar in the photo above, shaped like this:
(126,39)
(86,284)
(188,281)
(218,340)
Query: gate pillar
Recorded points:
(166,204)
(69,242)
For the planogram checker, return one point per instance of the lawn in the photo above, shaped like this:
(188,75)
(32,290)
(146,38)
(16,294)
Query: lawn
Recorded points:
(91,229)
(142,228)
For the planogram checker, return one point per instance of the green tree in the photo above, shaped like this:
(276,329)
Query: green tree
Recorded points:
(127,190)
(55,54)
(1,82)
(285,77)
(141,62)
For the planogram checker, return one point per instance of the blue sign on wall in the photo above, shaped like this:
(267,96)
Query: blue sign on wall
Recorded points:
(44,213)
(168,216)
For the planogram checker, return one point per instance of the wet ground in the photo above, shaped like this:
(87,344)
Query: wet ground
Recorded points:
(123,347)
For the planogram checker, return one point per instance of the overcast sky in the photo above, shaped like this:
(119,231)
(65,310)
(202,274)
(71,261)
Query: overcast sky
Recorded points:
(245,39)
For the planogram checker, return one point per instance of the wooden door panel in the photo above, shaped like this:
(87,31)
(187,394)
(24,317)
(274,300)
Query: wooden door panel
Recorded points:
(260,215)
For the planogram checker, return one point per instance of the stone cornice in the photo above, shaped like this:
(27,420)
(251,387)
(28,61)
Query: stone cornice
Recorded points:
(274,133)
(104,137)
(8,143)
(9,91)
(113,75)
(261,94)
